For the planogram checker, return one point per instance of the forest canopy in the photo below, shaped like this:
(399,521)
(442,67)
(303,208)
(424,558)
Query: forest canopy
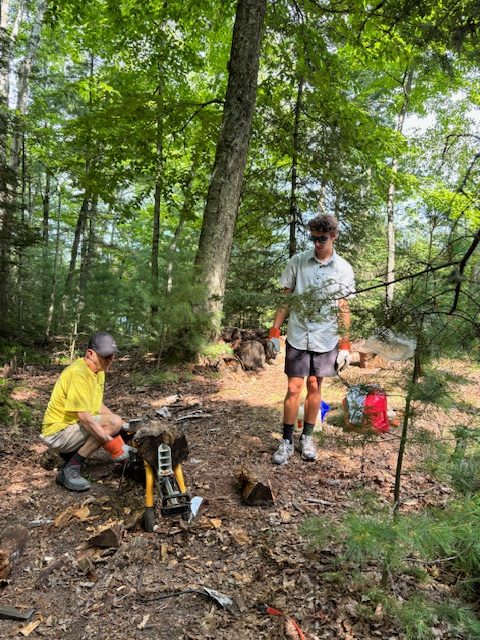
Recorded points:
(159,162)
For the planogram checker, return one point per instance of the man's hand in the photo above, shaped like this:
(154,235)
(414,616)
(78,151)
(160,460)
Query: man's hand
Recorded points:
(343,356)
(273,343)
(127,452)
(93,427)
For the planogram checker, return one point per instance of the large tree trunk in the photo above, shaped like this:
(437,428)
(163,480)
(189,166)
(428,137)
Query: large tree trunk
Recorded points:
(223,198)
(407,87)
(293,213)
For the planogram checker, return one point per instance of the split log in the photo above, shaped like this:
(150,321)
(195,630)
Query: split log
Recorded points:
(255,492)
(251,355)
(107,538)
(12,544)
(149,437)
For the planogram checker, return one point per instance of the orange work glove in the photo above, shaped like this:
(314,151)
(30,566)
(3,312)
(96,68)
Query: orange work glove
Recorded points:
(118,449)
(274,339)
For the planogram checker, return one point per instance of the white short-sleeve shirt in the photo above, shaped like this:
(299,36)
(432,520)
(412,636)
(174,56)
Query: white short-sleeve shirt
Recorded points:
(313,321)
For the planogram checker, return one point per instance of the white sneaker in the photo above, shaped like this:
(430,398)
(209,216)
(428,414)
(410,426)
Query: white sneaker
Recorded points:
(283,453)
(309,448)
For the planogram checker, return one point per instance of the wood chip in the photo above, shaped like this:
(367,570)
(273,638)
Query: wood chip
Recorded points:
(31,626)
(108,537)
(144,621)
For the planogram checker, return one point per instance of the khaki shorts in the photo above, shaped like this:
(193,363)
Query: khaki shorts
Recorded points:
(69,439)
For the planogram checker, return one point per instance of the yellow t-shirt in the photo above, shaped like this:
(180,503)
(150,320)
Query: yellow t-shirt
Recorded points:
(77,389)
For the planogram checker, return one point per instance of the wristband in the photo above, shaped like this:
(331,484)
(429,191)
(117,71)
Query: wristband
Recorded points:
(274,332)
(344,343)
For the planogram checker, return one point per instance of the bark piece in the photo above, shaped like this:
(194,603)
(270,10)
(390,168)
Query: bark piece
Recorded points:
(255,492)
(252,355)
(109,537)
(49,569)
(148,439)
(12,544)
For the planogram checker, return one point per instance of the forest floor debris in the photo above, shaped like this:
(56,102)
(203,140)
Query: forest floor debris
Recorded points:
(251,555)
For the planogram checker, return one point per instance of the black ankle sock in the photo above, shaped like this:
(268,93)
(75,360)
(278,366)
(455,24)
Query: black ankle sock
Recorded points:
(66,457)
(288,432)
(308,428)
(77,459)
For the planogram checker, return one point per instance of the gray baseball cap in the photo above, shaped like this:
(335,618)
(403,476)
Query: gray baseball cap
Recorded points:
(103,343)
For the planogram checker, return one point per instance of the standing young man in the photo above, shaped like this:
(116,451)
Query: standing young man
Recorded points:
(76,422)
(318,345)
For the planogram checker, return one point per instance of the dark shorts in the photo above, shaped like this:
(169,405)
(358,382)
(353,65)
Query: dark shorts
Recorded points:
(300,363)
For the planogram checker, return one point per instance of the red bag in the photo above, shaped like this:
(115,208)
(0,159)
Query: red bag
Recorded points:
(365,409)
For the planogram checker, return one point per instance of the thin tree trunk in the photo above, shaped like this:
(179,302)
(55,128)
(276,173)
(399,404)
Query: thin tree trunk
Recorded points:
(88,243)
(21,278)
(223,198)
(404,437)
(46,207)
(156,210)
(390,288)
(293,210)
(79,230)
(188,202)
(53,290)
(186,208)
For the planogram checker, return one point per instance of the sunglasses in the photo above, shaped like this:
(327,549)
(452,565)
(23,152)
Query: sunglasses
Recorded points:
(320,239)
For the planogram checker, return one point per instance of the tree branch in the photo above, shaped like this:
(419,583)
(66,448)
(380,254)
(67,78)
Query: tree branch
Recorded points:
(461,268)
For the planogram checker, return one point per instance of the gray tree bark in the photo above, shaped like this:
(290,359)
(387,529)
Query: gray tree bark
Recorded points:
(223,197)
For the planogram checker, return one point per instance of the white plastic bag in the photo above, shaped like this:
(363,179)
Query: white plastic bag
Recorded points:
(390,345)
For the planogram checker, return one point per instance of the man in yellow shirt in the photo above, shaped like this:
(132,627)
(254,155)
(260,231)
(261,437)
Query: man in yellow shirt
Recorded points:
(76,422)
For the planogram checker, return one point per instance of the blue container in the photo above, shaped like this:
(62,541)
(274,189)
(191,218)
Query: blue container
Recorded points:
(324,409)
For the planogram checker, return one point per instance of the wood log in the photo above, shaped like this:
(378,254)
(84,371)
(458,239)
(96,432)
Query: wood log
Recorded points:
(156,432)
(255,492)
(252,355)
(12,544)
(107,538)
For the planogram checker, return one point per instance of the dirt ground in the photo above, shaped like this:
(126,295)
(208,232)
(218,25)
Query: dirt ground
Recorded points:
(254,555)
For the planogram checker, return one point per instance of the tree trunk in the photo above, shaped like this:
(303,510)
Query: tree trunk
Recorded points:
(88,242)
(7,186)
(407,87)
(79,230)
(293,212)
(53,290)
(407,416)
(156,210)
(223,198)
(23,74)
(188,203)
